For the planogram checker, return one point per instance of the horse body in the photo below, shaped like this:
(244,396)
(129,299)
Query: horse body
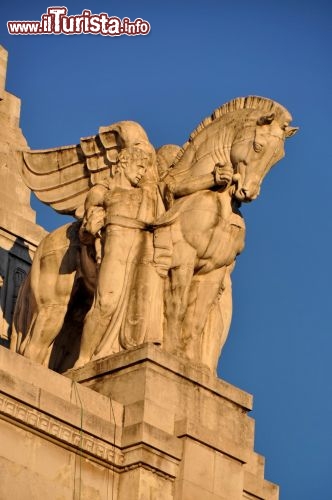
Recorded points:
(43,301)
(206,237)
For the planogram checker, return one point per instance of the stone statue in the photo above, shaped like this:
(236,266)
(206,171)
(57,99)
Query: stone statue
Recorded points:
(129,210)
(151,255)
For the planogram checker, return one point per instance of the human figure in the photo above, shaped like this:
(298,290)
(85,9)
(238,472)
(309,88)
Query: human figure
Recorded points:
(125,211)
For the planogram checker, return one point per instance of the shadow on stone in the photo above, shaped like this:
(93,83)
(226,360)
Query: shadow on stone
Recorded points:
(14,267)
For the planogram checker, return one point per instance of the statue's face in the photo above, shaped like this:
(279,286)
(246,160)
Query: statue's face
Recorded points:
(135,170)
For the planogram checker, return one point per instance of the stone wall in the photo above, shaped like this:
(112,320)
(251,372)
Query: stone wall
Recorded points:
(138,425)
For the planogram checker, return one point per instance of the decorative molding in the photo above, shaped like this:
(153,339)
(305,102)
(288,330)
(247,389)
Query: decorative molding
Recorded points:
(57,430)
(79,441)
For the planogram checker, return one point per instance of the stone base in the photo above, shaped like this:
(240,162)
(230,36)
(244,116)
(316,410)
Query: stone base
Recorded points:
(139,425)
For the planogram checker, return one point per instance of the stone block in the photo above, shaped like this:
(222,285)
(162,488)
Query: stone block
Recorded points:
(143,433)
(185,490)
(96,372)
(228,477)
(258,487)
(198,464)
(151,413)
(154,379)
(220,442)
(255,464)
(18,482)
(143,484)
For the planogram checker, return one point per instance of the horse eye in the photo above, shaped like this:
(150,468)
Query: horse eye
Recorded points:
(258,147)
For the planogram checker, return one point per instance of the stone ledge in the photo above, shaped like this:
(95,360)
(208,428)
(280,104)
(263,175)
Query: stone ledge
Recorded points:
(260,489)
(28,381)
(186,428)
(19,226)
(152,437)
(154,354)
(151,459)
(256,464)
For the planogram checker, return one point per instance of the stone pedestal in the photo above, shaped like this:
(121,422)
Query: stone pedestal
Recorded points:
(138,425)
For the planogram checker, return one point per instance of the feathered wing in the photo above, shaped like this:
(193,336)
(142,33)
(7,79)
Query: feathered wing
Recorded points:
(61,177)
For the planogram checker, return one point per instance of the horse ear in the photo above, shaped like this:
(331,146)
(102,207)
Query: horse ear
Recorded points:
(290,131)
(266,119)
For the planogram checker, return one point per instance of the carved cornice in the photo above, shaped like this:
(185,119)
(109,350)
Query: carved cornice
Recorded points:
(55,430)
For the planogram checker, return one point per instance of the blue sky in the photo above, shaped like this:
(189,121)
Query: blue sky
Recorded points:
(198,56)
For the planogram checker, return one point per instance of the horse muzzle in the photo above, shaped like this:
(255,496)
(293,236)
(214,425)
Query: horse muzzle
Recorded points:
(246,192)
(246,195)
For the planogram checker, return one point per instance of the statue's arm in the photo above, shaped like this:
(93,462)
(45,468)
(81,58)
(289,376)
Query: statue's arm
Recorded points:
(221,177)
(190,186)
(95,197)
(94,213)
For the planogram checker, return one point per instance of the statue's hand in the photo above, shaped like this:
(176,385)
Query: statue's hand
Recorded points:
(95,220)
(162,270)
(223,174)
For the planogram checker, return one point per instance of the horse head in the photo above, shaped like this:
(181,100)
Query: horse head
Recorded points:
(246,136)
(256,148)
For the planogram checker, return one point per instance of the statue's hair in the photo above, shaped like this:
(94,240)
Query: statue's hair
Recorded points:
(132,152)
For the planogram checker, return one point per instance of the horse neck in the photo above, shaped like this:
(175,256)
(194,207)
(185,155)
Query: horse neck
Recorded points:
(206,148)
(228,204)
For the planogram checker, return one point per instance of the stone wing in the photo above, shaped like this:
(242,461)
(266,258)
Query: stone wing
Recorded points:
(61,177)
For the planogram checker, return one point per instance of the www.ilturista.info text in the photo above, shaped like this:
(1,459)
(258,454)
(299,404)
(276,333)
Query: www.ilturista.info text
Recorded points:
(56,22)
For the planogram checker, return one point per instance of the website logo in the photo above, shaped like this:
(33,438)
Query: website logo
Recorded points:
(57,22)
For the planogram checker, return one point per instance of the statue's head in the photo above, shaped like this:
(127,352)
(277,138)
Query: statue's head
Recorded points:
(245,135)
(121,139)
(134,163)
(257,146)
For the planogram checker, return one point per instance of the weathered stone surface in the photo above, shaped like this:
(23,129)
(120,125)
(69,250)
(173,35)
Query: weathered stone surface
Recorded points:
(58,439)
(19,234)
(64,439)
(207,415)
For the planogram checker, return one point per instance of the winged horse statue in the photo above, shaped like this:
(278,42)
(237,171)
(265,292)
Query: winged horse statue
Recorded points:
(177,289)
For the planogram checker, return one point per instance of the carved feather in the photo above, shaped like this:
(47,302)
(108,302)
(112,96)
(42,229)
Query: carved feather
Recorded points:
(61,177)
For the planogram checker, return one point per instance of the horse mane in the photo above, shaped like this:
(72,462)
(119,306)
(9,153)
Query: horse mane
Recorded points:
(250,102)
